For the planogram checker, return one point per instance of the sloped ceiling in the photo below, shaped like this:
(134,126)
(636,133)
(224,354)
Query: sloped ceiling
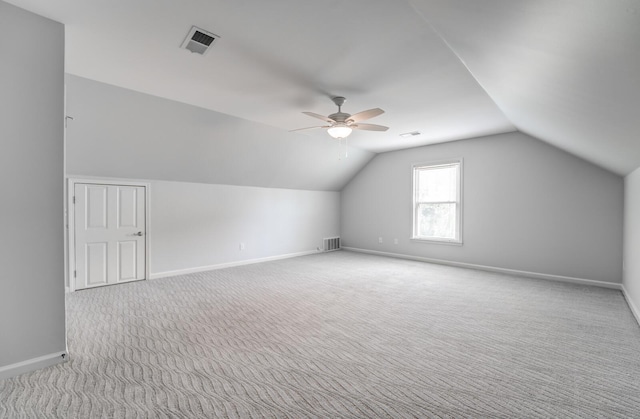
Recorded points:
(119,133)
(565,71)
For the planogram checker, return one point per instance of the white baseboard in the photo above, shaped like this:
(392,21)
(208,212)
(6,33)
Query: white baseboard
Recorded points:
(228,264)
(535,275)
(632,306)
(29,365)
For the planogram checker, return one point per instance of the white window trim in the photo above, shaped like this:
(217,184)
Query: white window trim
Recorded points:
(434,240)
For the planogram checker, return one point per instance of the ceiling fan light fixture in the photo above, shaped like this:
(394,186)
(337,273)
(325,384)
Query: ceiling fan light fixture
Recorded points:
(339,131)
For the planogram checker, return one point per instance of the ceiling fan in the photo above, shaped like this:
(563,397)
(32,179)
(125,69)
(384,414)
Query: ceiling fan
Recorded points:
(341,124)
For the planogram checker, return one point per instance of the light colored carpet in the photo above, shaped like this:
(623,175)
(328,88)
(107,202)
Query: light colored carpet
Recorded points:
(340,335)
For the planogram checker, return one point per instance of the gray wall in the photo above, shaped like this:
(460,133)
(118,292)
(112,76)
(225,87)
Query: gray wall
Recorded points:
(31,181)
(121,133)
(216,180)
(632,237)
(197,225)
(527,206)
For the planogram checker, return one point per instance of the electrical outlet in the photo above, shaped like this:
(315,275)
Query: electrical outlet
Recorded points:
(241,246)
(380,240)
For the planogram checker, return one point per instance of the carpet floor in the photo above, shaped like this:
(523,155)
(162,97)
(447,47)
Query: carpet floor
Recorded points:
(340,335)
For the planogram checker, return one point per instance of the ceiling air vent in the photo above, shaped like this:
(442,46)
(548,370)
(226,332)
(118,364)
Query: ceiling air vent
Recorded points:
(199,40)
(410,134)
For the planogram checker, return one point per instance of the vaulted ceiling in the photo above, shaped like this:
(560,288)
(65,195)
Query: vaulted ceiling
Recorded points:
(564,71)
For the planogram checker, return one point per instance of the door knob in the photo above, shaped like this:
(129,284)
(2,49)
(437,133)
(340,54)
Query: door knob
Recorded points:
(139,233)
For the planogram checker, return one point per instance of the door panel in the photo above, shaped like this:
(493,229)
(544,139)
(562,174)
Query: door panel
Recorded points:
(127,266)
(96,263)
(127,207)
(109,234)
(96,207)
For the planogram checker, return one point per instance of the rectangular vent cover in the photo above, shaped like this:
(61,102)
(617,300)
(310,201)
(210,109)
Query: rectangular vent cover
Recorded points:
(410,134)
(199,41)
(331,243)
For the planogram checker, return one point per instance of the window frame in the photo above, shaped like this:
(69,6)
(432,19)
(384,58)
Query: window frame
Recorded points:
(415,168)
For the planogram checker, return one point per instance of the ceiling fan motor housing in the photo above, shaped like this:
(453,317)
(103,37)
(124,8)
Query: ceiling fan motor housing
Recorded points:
(339,117)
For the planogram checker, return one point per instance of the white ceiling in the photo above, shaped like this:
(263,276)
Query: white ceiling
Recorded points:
(565,71)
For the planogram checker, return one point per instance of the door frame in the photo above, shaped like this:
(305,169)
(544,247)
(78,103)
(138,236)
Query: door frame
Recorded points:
(71,219)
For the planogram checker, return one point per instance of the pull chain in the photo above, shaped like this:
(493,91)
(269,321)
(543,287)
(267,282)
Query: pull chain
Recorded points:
(346,148)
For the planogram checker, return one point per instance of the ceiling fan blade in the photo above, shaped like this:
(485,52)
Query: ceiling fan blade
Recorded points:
(308,128)
(369,127)
(316,115)
(361,116)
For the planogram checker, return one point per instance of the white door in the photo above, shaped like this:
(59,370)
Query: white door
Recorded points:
(109,234)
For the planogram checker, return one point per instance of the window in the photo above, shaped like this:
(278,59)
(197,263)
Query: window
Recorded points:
(437,201)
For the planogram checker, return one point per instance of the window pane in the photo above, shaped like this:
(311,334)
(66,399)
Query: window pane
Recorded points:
(436,220)
(437,184)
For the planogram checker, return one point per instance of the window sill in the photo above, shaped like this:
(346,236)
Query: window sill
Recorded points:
(437,241)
